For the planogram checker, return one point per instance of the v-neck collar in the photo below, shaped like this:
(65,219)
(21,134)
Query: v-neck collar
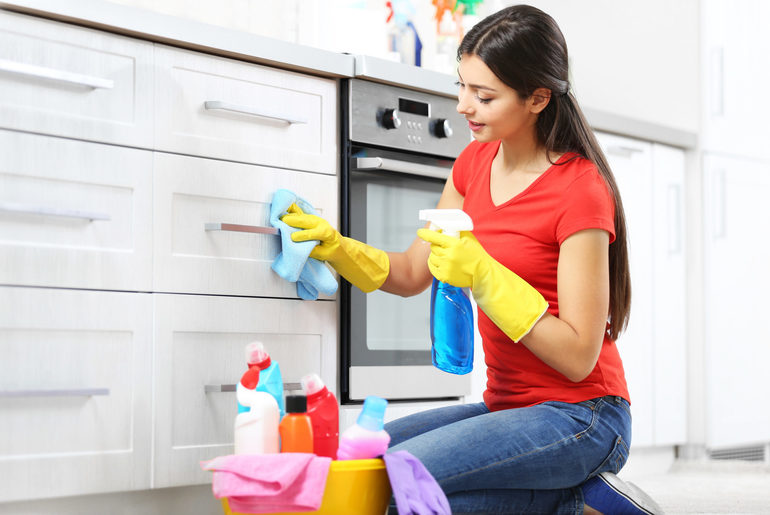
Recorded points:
(527,189)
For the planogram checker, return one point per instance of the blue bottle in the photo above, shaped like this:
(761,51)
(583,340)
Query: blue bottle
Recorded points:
(451,314)
(451,328)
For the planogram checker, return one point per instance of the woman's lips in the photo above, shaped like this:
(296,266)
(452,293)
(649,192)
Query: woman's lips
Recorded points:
(475,127)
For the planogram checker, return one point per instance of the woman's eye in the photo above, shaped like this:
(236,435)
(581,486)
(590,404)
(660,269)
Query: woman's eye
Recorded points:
(459,84)
(484,100)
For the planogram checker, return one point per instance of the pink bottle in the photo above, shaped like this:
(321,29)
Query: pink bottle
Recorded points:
(366,438)
(324,414)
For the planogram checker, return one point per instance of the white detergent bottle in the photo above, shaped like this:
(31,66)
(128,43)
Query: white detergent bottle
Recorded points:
(451,313)
(256,430)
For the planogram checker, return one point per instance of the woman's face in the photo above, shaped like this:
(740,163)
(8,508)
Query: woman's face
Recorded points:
(494,110)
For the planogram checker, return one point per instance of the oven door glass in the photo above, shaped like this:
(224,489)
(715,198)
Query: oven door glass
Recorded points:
(388,329)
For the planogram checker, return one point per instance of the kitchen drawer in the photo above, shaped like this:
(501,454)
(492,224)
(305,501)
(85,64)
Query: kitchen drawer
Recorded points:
(74,214)
(221,108)
(75,392)
(199,343)
(190,192)
(75,82)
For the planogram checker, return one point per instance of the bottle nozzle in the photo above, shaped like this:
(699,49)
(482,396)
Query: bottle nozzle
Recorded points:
(372,416)
(449,221)
(312,383)
(256,354)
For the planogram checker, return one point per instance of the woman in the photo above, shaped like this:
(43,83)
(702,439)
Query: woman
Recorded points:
(548,267)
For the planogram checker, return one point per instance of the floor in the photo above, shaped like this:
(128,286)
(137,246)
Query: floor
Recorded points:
(710,487)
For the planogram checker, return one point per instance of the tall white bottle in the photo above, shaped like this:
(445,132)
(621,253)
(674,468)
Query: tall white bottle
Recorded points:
(256,430)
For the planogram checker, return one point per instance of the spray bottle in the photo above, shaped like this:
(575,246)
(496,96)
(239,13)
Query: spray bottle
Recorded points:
(270,379)
(451,314)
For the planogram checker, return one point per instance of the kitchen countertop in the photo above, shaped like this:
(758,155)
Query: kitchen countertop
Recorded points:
(212,39)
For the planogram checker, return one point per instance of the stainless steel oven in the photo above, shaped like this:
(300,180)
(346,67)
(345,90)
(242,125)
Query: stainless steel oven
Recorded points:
(398,148)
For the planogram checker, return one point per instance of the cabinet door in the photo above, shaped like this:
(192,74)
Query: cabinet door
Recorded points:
(737,279)
(631,162)
(192,192)
(669,345)
(75,82)
(75,383)
(215,107)
(199,357)
(735,40)
(74,214)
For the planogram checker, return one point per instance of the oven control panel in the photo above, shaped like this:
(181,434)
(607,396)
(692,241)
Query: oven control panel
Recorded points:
(404,119)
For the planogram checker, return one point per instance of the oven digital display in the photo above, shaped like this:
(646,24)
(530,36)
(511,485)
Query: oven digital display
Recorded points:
(414,107)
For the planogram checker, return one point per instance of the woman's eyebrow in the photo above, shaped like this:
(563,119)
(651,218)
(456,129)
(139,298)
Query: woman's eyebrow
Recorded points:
(478,86)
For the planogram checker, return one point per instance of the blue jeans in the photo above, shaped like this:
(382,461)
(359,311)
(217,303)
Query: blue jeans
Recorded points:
(524,460)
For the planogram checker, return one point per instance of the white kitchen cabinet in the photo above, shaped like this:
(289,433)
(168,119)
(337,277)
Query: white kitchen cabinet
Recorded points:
(74,214)
(74,82)
(650,178)
(75,392)
(225,109)
(199,350)
(192,192)
(735,43)
(737,279)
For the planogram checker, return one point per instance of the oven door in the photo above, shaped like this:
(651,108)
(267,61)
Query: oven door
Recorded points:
(386,339)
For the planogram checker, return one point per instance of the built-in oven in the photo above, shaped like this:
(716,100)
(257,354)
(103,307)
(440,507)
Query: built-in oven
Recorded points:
(398,149)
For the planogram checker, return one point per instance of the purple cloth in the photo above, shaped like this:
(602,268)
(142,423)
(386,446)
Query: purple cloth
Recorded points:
(416,492)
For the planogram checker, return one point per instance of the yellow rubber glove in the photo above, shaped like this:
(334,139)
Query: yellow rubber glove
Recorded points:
(363,265)
(507,299)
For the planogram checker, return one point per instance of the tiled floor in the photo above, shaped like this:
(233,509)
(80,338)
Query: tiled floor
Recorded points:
(710,487)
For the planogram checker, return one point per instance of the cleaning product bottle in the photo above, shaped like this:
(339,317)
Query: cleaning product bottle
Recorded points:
(249,381)
(451,314)
(256,430)
(366,438)
(295,428)
(270,380)
(324,415)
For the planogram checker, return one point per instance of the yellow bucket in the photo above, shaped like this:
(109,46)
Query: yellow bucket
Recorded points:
(353,487)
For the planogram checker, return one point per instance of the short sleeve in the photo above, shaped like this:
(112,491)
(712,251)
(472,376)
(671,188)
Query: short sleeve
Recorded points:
(465,166)
(587,204)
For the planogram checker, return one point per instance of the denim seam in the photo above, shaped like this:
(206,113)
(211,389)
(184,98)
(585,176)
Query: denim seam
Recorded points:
(576,436)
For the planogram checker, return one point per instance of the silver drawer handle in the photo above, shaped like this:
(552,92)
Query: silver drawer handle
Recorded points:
(260,229)
(40,72)
(9,207)
(74,392)
(395,165)
(221,388)
(216,105)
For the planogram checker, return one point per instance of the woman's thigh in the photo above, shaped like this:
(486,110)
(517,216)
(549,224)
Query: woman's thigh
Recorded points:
(548,446)
(410,426)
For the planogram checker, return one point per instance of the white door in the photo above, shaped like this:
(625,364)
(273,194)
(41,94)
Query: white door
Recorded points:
(737,253)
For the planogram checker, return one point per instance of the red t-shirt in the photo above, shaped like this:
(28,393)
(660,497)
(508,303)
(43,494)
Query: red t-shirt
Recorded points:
(525,234)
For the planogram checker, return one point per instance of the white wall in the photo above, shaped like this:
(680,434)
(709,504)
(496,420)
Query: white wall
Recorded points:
(634,58)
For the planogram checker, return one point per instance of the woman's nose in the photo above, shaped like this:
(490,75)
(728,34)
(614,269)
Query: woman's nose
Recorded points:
(463,106)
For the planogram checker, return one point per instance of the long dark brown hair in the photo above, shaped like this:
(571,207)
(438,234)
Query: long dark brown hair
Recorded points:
(525,49)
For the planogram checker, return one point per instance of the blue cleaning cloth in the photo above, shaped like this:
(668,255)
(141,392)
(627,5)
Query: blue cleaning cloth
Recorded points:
(415,490)
(293,262)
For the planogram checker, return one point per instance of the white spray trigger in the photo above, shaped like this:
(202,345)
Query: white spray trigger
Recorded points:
(450,221)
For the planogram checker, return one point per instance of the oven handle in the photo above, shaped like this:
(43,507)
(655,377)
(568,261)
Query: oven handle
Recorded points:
(395,165)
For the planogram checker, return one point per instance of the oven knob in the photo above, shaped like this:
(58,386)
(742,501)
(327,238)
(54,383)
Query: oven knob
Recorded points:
(390,119)
(441,128)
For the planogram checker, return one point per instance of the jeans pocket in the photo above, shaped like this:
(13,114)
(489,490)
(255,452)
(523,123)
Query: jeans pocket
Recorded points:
(615,460)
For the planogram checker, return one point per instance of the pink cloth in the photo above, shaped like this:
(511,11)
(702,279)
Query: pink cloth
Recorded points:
(269,483)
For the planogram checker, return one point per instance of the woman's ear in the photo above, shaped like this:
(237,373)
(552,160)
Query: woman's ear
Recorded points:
(539,99)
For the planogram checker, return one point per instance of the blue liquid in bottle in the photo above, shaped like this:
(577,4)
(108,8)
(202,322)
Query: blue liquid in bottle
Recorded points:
(451,328)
